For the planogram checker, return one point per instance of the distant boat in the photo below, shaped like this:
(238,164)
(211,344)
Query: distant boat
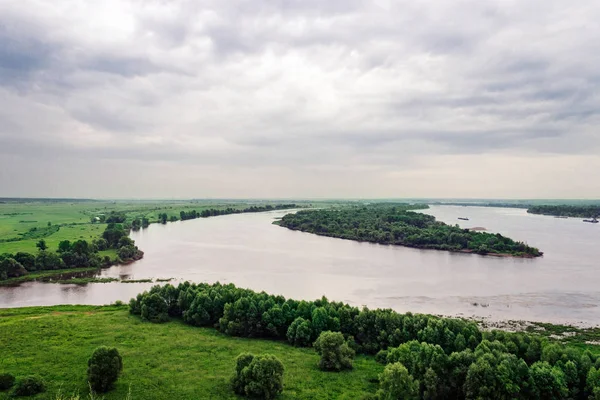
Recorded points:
(463,218)
(593,220)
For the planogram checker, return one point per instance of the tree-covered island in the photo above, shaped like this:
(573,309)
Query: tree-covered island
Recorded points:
(395,224)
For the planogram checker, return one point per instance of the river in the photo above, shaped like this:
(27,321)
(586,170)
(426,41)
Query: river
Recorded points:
(248,250)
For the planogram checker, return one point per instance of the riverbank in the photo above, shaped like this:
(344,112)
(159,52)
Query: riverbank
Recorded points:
(55,342)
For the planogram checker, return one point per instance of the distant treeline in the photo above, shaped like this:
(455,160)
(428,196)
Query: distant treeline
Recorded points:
(465,204)
(447,358)
(213,212)
(69,254)
(394,224)
(588,211)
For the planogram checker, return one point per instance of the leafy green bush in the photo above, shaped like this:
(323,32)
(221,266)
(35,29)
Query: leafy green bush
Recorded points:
(6,381)
(335,353)
(28,386)
(104,368)
(299,332)
(155,309)
(258,376)
(396,383)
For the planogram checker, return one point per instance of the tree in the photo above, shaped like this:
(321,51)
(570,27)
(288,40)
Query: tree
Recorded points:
(41,245)
(11,268)
(396,383)
(548,382)
(26,260)
(154,308)
(104,367)
(64,246)
(335,353)
(258,376)
(28,386)
(299,332)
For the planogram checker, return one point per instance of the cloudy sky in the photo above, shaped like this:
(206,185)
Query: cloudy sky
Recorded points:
(272,98)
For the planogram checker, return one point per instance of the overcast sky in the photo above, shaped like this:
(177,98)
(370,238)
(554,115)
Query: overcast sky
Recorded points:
(271,98)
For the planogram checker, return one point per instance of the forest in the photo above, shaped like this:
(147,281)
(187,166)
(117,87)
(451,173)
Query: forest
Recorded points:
(394,224)
(427,357)
(564,210)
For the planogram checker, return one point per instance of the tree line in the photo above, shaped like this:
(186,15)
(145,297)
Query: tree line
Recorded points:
(564,210)
(434,357)
(213,212)
(77,254)
(394,224)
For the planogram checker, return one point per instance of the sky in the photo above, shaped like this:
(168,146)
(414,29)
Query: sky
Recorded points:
(299,99)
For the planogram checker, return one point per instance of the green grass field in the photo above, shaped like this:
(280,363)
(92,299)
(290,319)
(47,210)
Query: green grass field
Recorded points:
(73,217)
(167,361)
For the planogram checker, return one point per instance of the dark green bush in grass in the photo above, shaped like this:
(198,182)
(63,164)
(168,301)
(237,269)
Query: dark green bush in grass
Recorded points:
(6,381)
(28,386)
(335,353)
(104,368)
(258,376)
(299,332)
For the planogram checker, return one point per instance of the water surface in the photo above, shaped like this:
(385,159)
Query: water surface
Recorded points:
(246,249)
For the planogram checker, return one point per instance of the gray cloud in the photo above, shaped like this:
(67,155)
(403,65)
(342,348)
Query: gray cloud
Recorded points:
(385,88)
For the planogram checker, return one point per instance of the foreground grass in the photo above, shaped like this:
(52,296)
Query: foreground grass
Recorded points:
(167,361)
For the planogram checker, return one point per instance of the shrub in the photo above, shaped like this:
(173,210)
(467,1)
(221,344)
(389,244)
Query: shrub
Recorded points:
(6,381)
(299,332)
(104,368)
(258,376)
(28,386)
(335,353)
(396,383)
(154,308)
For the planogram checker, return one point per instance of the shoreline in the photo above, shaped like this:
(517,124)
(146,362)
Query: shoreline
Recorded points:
(464,251)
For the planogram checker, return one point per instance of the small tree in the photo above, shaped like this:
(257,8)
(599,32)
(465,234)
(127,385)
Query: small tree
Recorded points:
(299,332)
(28,386)
(6,381)
(396,383)
(41,245)
(335,353)
(258,376)
(104,368)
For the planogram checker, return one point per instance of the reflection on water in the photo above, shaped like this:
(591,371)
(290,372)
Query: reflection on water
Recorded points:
(248,250)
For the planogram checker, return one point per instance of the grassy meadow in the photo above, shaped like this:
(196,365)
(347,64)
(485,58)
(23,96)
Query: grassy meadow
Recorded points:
(166,361)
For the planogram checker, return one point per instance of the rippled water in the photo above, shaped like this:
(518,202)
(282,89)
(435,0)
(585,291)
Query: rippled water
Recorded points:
(246,249)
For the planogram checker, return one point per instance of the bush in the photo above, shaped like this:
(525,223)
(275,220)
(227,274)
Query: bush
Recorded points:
(104,368)
(28,386)
(6,381)
(396,383)
(154,308)
(335,353)
(299,332)
(258,376)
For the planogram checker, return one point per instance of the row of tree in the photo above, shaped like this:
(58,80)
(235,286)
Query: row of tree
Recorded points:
(394,224)
(564,210)
(444,357)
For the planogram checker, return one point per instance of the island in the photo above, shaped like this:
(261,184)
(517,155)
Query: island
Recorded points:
(567,210)
(396,224)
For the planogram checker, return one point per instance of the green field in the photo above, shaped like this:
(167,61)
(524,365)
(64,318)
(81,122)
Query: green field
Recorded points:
(18,217)
(166,361)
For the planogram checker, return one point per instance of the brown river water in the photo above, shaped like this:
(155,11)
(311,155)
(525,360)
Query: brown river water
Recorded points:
(246,249)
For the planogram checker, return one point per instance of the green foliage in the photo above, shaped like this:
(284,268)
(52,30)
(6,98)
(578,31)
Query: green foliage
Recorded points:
(258,376)
(7,381)
(11,268)
(565,210)
(28,386)
(335,353)
(41,244)
(104,367)
(154,308)
(299,333)
(394,224)
(396,383)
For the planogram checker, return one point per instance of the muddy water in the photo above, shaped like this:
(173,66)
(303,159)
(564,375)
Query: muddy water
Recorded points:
(246,249)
